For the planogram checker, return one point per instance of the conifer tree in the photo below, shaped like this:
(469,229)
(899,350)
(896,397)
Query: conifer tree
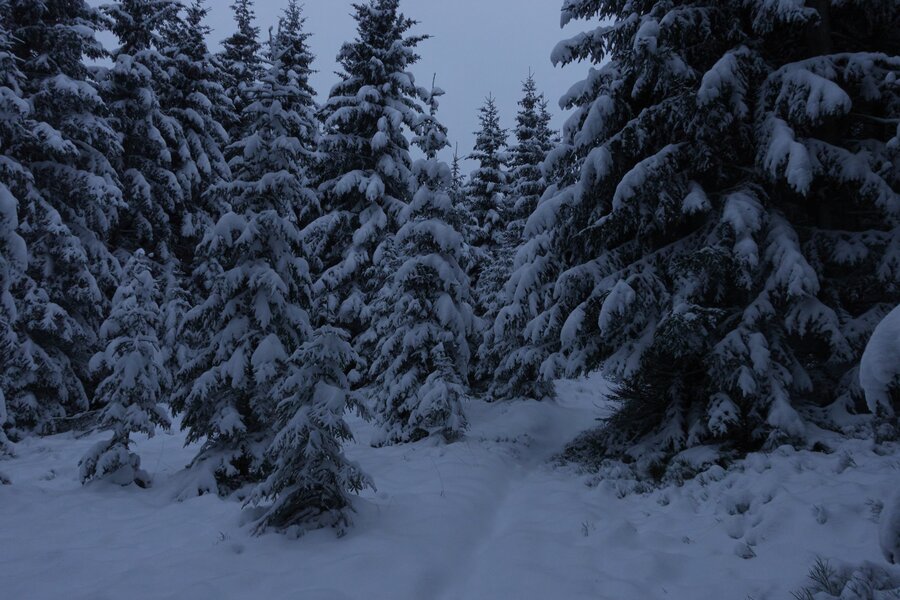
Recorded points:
(533,143)
(457,179)
(194,96)
(135,379)
(288,85)
(12,263)
(178,296)
(728,234)
(366,170)
(65,218)
(69,156)
(13,259)
(511,306)
(151,139)
(311,480)
(524,334)
(241,59)
(460,217)
(486,200)
(486,188)
(423,317)
(255,310)
(14,178)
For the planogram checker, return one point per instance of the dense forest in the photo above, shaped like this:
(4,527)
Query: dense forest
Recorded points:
(189,238)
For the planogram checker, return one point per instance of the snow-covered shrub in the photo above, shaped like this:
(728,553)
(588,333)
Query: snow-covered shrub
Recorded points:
(846,582)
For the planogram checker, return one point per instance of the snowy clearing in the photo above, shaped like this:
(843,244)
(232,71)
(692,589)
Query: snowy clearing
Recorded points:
(488,517)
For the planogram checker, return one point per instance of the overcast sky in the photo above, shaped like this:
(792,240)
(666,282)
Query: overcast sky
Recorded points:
(479,47)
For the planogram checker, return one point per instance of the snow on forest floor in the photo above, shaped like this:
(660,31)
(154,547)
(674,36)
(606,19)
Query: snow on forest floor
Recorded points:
(486,518)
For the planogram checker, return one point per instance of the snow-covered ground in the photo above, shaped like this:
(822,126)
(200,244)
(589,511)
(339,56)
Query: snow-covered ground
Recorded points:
(486,518)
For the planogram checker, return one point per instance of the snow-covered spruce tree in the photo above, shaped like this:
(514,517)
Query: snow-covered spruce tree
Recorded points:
(13,259)
(729,234)
(311,480)
(486,201)
(525,333)
(534,139)
(366,173)
(422,317)
(195,98)
(12,262)
(457,179)
(72,203)
(69,155)
(525,188)
(486,189)
(14,178)
(286,87)
(241,59)
(460,217)
(176,299)
(255,310)
(151,139)
(131,392)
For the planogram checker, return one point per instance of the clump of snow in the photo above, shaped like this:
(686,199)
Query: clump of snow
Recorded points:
(879,370)
(889,532)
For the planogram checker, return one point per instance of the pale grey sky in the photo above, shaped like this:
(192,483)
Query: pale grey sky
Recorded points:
(479,47)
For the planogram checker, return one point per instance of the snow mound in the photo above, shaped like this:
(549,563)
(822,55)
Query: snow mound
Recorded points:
(879,370)
(889,532)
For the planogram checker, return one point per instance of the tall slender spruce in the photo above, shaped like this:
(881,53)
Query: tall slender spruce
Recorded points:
(311,481)
(15,181)
(367,169)
(486,189)
(254,313)
(507,310)
(423,314)
(241,59)
(486,200)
